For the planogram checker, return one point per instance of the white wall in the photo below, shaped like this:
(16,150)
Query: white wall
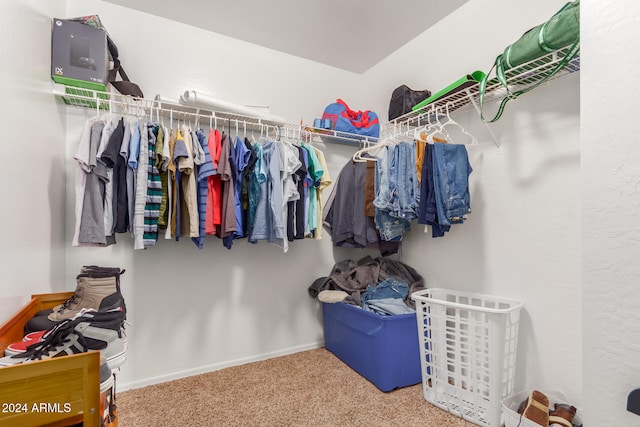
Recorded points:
(610,207)
(552,221)
(190,310)
(33,173)
(522,239)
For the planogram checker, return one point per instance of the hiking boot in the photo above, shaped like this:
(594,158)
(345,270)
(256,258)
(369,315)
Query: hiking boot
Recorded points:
(96,272)
(96,293)
(88,330)
(97,288)
(37,323)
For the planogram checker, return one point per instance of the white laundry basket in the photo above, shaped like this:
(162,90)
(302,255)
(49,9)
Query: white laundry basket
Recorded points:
(468,346)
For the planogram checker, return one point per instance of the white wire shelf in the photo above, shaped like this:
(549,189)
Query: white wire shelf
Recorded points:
(518,78)
(156,109)
(339,137)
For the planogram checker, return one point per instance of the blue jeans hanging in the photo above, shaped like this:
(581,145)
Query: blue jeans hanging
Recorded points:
(451,170)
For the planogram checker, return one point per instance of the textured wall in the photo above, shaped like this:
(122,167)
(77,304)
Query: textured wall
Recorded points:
(32,173)
(607,213)
(522,239)
(611,210)
(203,310)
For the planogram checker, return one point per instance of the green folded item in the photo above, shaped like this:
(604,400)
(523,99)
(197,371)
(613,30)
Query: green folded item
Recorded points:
(458,85)
(562,30)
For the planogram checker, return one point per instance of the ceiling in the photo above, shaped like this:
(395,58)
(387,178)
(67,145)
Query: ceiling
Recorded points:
(353,35)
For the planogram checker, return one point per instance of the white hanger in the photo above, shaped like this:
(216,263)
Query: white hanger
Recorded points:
(372,150)
(428,127)
(403,136)
(451,122)
(436,129)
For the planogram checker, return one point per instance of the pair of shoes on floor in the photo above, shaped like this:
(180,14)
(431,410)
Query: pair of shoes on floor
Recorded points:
(97,288)
(88,330)
(536,409)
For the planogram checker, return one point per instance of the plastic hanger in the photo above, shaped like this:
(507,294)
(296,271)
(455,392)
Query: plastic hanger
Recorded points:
(371,150)
(451,122)
(402,136)
(424,129)
(436,129)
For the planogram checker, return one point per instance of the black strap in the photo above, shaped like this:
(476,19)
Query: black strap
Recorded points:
(124,86)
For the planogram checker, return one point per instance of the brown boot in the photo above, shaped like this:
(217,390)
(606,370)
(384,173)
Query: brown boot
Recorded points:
(97,293)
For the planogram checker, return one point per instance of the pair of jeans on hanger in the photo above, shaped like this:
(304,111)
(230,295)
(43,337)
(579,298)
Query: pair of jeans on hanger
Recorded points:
(451,170)
(406,194)
(386,184)
(444,190)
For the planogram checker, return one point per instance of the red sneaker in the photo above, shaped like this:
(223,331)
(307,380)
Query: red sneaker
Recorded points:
(34,336)
(21,346)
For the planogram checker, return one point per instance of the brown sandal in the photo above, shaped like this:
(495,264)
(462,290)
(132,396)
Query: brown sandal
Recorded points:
(536,408)
(562,415)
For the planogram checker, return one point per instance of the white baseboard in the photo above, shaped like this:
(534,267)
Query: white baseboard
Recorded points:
(216,366)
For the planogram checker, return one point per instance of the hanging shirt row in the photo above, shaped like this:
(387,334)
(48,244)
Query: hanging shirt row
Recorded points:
(144,179)
(377,196)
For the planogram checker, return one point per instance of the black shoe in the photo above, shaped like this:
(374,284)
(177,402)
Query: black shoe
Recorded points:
(89,330)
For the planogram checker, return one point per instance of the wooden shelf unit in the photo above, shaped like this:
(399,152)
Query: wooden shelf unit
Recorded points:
(57,392)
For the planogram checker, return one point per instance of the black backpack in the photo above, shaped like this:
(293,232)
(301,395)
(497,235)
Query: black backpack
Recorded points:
(403,98)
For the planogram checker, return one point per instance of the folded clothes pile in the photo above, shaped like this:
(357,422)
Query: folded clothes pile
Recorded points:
(378,284)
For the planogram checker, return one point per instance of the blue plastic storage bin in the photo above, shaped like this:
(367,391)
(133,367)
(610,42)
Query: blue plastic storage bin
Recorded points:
(383,349)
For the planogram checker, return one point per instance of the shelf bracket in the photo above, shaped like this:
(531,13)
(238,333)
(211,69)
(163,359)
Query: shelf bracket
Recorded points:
(496,141)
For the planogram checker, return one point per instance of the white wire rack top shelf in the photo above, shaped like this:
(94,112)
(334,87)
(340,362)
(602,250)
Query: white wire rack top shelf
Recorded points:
(339,137)
(518,78)
(156,109)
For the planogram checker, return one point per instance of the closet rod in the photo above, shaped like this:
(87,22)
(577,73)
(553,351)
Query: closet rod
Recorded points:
(106,101)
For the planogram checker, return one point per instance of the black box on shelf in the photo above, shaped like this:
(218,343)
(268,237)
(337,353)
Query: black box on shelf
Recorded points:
(79,55)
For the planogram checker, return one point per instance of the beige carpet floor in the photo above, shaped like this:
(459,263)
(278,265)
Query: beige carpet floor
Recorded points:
(310,388)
